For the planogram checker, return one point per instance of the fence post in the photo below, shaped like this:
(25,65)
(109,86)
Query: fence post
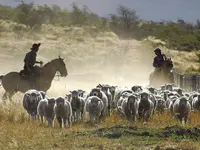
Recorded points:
(194,83)
(181,81)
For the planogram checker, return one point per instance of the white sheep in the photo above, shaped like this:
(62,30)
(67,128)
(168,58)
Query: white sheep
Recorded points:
(63,111)
(181,109)
(46,109)
(30,100)
(94,106)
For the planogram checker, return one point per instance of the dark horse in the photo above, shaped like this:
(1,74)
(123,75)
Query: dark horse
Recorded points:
(162,76)
(13,82)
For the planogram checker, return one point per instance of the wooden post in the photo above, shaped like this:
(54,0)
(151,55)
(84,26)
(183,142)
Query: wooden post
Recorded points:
(194,83)
(181,81)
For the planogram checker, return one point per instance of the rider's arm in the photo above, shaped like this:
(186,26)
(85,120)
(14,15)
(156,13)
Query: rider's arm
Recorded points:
(39,62)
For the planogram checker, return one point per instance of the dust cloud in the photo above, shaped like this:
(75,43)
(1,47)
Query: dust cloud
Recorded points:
(127,65)
(104,59)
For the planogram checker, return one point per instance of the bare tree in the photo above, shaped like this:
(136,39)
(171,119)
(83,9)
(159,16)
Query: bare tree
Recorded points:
(127,16)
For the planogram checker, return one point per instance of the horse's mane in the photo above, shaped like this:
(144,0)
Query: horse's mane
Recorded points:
(48,63)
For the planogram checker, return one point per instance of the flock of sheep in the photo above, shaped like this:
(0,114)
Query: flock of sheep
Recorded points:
(135,103)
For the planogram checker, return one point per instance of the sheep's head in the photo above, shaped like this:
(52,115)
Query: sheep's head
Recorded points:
(169,87)
(136,88)
(131,102)
(180,91)
(68,97)
(34,97)
(183,100)
(112,89)
(81,93)
(51,101)
(144,96)
(75,94)
(96,92)
(160,101)
(151,89)
(105,89)
(94,101)
(60,102)
(43,94)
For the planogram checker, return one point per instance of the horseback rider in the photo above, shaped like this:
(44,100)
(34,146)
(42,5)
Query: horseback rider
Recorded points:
(158,60)
(30,61)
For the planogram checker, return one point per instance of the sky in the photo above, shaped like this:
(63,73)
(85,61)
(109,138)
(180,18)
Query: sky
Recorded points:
(156,10)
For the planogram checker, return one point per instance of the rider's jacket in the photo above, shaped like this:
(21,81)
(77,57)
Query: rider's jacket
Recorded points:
(158,61)
(30,58)
(29,61)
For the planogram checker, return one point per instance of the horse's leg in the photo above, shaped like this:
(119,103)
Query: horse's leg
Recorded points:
(4,97)
(10,95)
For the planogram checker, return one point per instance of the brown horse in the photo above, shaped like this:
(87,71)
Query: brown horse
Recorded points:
(162,76)
(14,82)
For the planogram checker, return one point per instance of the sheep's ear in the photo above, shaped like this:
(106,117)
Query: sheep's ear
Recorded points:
(100,86)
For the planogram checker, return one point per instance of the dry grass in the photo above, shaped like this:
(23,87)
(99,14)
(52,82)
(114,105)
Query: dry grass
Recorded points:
(18,132)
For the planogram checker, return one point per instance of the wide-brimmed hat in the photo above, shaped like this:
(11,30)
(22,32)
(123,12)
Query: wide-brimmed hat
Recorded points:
(35,46)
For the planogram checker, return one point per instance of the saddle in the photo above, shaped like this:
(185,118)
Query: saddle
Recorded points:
(25,75)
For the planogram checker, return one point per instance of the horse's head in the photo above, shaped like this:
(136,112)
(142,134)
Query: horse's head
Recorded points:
(168,64)
(61,67)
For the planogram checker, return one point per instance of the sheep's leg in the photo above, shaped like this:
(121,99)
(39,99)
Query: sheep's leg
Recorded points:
(38,117)
(42,120)
(134,119)
(50,121)
(65,122)
(59,119)
(92,119)
(109,108)
(33,117)
(82,115)
(146,116)
(185,119)
(69,121)
(103,113)
(98,119)
(73,116)
(78,115)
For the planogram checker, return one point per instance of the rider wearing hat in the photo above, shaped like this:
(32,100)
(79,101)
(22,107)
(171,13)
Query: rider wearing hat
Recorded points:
(30,59)
(159,59)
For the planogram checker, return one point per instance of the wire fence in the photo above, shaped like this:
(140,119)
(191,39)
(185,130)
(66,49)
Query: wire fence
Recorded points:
(187,82)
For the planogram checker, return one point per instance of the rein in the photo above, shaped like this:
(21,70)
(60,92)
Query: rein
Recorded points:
(57,75)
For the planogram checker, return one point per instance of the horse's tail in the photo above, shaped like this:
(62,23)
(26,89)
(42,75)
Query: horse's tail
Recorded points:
(1,78)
